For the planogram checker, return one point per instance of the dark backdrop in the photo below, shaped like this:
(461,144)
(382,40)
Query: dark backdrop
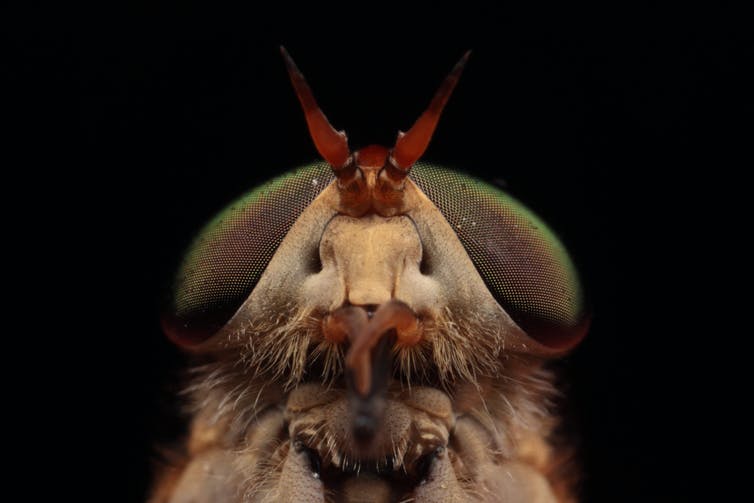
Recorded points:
(162,115)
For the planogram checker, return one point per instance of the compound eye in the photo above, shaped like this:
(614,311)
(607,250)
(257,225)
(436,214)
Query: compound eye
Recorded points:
(225,261)
(523,263)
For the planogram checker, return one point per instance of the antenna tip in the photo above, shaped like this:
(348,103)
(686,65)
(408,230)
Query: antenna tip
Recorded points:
(462,62)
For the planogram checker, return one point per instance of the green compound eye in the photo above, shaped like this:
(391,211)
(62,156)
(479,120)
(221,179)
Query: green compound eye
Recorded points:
(521,261)
(523,264)
(227,258)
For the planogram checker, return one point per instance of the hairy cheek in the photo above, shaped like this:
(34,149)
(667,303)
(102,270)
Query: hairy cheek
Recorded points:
(297,482)
(415,422)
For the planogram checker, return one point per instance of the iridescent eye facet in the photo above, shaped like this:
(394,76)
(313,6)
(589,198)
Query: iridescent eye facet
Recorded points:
(522,262)
(227,258)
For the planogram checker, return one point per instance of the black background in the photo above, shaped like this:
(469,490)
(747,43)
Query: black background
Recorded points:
(155,116)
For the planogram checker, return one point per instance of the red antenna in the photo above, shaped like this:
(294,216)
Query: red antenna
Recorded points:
(410,146)
(332,145)
(362,187)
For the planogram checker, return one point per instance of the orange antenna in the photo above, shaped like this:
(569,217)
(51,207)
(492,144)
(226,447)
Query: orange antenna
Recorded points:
(410,146)
(332,145)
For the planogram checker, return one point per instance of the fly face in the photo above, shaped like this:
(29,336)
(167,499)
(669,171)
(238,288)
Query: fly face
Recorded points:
(374,323)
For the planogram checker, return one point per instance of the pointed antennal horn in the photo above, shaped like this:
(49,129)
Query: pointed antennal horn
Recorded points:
(410,146)
(332,145)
